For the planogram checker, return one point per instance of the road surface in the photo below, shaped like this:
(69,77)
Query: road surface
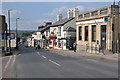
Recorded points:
(31,63)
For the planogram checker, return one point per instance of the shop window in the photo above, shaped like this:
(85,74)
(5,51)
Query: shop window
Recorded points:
(80,16)
(50,42)
(55,43)
(94,13)
(80,33)
(104,11)
(59,44)
(46,33)
(59,30)
(64,35)
(93,33)
(86,33)
(87,15)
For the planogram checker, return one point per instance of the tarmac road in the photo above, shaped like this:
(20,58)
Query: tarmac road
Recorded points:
(31,63)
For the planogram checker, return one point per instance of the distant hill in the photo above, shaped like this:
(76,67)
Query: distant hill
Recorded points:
(22,31)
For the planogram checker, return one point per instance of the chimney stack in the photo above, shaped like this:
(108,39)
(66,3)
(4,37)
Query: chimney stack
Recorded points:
(69,13)
(75,12)
(40,27)
(59,17)
(48,23)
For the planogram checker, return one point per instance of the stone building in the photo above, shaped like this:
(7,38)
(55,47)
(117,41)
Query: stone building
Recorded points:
(98,29)
(3,31)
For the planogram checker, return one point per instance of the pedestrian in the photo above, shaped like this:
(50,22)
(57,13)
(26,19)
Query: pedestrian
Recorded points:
(36,46)
(74,46)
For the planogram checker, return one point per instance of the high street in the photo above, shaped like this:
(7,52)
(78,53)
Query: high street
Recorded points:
(31,63)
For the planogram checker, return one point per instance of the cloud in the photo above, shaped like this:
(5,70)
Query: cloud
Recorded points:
(37,21)
(14,13)
(57,11)
(82,8)
(63,10)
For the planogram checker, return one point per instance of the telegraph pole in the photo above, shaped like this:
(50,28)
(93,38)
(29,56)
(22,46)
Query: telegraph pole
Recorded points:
(17,33)
(113,20)
(119,29)
(9,31)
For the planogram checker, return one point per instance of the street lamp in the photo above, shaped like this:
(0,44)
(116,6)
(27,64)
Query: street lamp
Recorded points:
(113,29)
(17,33)
(9,31)
(119,29)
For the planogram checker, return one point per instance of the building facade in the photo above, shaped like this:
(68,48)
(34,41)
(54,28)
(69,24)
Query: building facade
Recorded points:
(98,29)
(3,32)
(41,36)
(59,35)
(63,31)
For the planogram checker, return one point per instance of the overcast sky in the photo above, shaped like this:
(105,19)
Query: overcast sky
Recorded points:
(33,14)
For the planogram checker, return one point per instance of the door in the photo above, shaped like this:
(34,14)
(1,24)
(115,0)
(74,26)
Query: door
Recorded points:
(103,37)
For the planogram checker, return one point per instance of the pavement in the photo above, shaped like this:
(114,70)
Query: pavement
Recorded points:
(71,53)
(8,64)
(41,63)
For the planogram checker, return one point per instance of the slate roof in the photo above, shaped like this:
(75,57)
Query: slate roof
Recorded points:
(41,30)
(62,22)
(58,23)
(69,29)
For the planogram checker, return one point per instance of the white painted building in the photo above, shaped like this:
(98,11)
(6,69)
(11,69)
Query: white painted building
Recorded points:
(63,32)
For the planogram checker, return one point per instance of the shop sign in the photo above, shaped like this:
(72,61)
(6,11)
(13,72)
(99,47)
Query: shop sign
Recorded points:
(42,41)
(105,19)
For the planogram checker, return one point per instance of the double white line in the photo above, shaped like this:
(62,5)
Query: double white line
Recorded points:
(6,66)
(8,63)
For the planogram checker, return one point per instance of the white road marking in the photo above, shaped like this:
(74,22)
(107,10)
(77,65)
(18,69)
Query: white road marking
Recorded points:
(49,59)
(43,56)
(18,54)
(38,53)
(4,57)
(54,62)
(7,64)
(14,58)
(92,60)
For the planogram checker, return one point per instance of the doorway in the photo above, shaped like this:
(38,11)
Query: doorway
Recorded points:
(103,37)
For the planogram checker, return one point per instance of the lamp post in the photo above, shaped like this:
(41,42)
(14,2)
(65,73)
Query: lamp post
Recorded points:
(17,33)
(9,31)
(119,30)
(113,28)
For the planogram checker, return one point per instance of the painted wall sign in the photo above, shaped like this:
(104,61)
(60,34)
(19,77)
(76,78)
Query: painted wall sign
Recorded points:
(105,19)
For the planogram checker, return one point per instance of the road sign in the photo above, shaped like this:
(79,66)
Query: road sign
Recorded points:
(1,35)
(11,35)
